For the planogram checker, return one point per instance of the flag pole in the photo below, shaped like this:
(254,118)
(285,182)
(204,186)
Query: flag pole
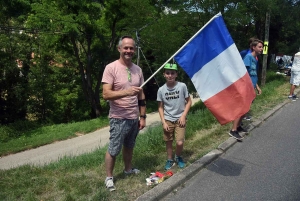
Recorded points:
(217,15)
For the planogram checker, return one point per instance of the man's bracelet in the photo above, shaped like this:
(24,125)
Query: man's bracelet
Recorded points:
(143,116)
(142,102)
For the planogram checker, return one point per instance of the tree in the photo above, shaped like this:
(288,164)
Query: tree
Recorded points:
(14,67)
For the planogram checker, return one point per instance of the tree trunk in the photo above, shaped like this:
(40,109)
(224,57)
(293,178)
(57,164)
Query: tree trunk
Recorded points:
(86,81)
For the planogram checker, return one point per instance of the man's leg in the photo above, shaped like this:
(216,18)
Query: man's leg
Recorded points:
(127,158)
(292,89)
(109,164)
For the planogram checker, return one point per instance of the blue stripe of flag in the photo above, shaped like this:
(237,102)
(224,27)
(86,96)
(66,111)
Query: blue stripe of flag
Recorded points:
(209,43)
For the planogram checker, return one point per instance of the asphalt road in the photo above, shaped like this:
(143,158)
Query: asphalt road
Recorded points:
(265,166)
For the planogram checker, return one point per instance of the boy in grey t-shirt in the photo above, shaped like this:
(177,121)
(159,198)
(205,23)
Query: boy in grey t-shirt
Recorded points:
(174,103)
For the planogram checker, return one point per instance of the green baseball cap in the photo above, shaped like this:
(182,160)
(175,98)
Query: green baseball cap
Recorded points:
(170,66)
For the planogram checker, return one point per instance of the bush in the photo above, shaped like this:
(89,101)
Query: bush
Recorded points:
(5,133)
(16,129)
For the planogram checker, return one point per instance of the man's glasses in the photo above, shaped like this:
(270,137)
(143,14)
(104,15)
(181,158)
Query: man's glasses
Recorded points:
(128,74)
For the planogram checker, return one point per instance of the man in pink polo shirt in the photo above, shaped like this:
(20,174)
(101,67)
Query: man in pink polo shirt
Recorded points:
(121,86)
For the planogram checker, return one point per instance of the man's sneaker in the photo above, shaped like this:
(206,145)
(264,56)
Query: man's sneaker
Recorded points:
(292,98)
(235,135)
(169,164)
(132,171)
(240,129)
(179,162)
(109,183)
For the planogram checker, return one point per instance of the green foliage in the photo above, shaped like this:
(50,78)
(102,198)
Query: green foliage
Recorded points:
(74,40)
(17,129)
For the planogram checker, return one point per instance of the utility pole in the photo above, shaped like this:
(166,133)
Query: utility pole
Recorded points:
(265,52)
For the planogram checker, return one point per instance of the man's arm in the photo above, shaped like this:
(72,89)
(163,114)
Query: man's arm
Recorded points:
(110,94)
(142,109)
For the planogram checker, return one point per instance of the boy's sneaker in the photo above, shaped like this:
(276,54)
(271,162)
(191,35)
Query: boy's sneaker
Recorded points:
(293,97)
(109,183)
(240,129)
(179,162)
(132,171)
(235,135)
(169,164)
(248,118)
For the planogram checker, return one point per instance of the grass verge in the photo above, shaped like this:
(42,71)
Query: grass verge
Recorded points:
(22,136)
(82,177)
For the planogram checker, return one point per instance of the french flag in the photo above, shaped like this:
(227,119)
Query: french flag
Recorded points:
(212,61)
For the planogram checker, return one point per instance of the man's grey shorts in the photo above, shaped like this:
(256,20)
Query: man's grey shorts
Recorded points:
(122,132)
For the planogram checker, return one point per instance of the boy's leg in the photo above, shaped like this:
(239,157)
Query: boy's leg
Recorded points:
(180,137)
(169,147)
(179,148)
(233,132)
(168,138)
(235,124)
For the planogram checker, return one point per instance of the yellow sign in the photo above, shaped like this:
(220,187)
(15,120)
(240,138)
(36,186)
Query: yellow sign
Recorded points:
(266,43)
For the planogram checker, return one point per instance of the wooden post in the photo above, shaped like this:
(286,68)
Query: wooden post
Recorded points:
(265,53)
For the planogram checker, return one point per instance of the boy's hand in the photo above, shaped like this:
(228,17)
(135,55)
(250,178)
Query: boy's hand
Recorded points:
(166,127)
(258,91)
(182,121)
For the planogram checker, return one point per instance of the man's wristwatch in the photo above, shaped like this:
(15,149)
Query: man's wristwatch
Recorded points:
(143,116)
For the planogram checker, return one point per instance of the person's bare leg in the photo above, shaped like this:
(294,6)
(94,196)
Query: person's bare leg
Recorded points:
(292,89)
(109,164)
(235,124)
(127,158)
(179,148)
(169,147)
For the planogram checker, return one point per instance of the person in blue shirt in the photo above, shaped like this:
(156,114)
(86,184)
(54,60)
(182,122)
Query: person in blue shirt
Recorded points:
(250,61)
(243,53)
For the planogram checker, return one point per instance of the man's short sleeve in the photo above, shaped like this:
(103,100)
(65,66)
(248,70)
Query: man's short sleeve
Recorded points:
(108,77)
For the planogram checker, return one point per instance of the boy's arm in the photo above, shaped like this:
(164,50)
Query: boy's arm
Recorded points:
(162,116)
(258,89)
(182,119)
(187,106)
(161,111)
